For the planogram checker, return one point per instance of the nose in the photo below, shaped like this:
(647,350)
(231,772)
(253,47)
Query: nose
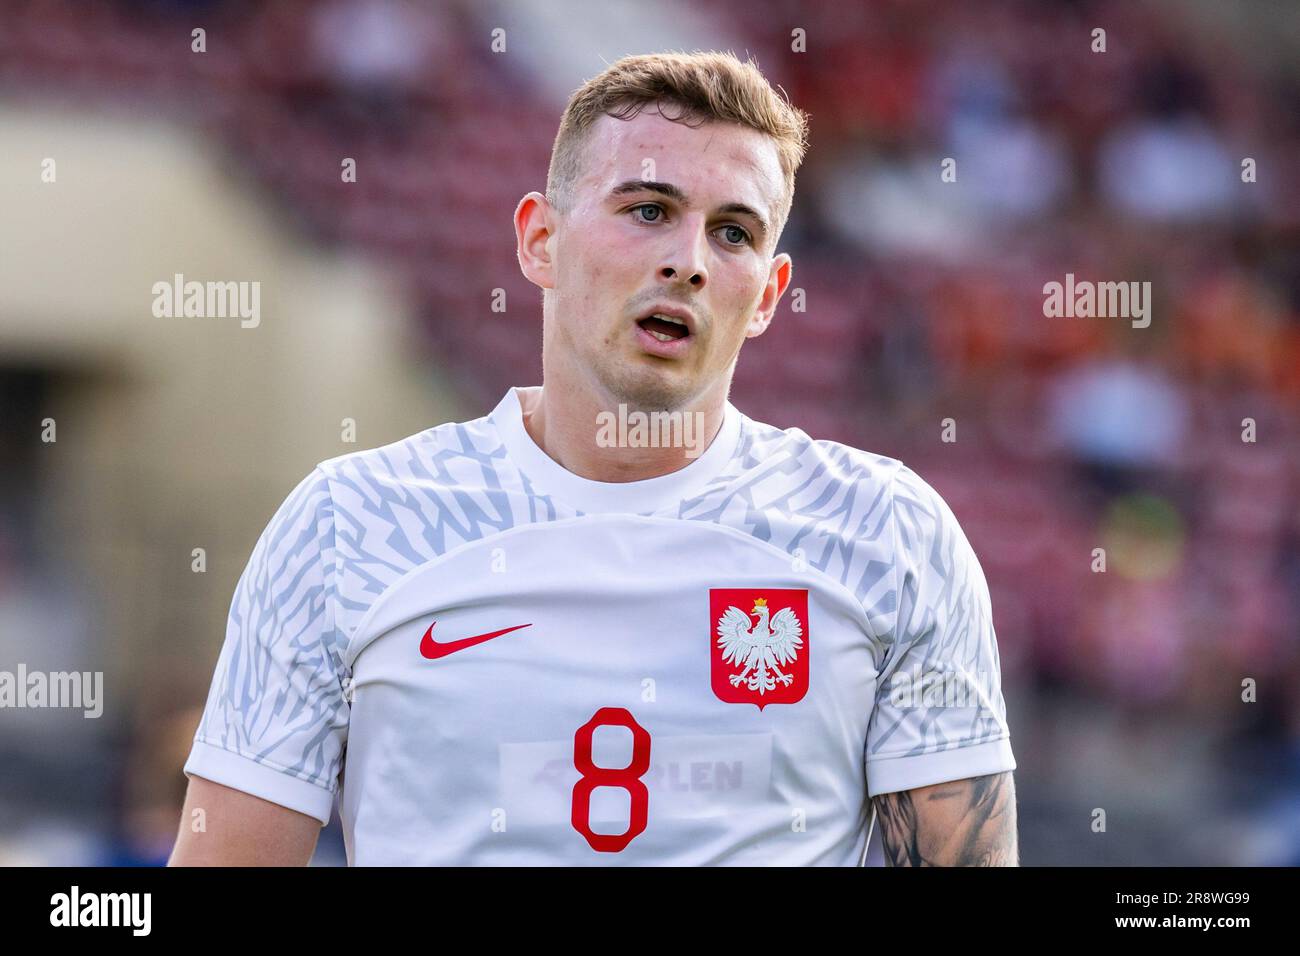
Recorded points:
(684,260)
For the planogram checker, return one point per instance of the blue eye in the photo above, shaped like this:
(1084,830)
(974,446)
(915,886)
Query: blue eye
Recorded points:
(650,206)
(743,237)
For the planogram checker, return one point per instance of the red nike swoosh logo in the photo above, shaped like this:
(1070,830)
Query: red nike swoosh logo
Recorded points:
(433,649)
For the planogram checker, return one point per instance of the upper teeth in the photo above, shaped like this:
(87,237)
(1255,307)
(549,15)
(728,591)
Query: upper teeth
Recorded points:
(664,336)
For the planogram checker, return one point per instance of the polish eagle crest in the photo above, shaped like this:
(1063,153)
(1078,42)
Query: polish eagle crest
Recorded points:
(760,649)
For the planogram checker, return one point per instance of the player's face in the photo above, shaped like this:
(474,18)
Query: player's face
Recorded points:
(674,219)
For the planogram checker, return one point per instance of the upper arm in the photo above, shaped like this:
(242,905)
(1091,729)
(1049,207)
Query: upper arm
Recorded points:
(969,822)
(225,827)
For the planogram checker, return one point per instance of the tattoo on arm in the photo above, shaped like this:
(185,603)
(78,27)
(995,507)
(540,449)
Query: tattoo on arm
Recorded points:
(968,822)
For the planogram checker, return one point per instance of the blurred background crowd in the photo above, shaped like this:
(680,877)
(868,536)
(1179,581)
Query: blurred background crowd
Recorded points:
(924,302)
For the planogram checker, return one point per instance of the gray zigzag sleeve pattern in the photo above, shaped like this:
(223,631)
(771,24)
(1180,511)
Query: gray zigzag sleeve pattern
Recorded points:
(940,688)
(278,693)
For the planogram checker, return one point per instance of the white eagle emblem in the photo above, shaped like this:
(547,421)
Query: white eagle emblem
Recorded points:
(760,647)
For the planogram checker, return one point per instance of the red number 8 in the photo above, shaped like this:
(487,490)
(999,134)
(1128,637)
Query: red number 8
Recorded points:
(629,778)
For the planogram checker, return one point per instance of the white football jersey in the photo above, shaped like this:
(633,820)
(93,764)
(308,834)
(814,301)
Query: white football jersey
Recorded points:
(491,660)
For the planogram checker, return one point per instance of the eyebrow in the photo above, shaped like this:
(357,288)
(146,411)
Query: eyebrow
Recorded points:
(674,193)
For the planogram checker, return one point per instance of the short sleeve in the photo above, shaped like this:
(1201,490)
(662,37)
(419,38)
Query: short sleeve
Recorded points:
(275,723)
(939,714)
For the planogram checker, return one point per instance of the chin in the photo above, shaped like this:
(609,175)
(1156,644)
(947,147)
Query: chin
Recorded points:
(649,389)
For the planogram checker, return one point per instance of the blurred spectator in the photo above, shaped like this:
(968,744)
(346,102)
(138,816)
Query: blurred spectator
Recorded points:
(1119,418)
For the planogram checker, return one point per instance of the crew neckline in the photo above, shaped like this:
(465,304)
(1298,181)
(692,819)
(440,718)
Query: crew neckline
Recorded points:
(597,497)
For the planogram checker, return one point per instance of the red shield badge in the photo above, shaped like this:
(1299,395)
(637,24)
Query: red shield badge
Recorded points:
(758,640)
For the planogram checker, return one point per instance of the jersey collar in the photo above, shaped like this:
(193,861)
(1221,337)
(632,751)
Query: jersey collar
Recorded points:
(634,497)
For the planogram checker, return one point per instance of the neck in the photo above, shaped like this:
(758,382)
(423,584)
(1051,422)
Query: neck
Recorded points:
(575,429)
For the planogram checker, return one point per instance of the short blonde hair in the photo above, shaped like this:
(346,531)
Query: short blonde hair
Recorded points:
(704,86)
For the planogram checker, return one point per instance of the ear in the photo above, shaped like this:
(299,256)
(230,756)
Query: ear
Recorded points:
(534,229)
(778,280)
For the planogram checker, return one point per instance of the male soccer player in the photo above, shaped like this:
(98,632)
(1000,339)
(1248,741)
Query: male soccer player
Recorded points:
(616,621)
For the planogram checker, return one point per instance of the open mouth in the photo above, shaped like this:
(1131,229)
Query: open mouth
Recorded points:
(664,328)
